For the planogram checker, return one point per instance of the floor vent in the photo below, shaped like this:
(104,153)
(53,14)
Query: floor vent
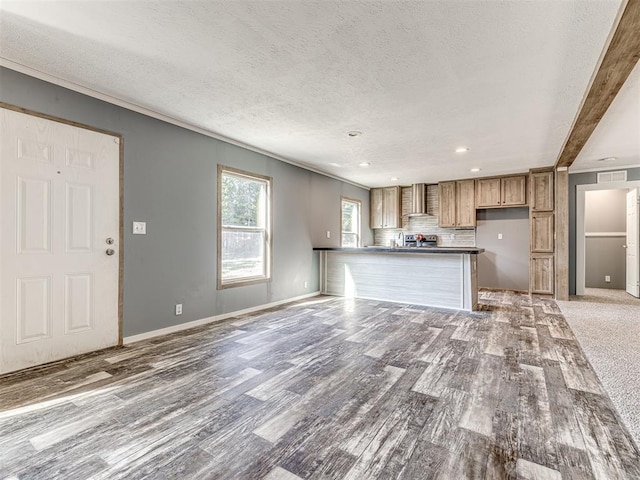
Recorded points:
(608,177)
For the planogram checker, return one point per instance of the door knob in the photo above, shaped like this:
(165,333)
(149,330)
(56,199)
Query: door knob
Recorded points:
(110,251)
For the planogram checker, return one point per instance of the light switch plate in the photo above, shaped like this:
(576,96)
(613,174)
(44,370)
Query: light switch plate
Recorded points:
(139,228)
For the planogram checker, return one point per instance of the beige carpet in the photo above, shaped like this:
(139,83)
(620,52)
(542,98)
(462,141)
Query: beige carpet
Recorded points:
(607,325)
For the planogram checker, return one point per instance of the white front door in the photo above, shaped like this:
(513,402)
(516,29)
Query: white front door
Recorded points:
(59,195)
(633,245)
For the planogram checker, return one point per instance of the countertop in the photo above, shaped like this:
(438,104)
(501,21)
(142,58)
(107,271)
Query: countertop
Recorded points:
(417,250)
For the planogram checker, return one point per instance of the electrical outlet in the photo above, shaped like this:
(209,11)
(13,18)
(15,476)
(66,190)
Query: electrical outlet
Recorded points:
(178,309)
(328,233)
(607,278)
(306,284)
(139,228)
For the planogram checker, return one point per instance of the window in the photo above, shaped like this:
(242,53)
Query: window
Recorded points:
(244,228)
(350,222)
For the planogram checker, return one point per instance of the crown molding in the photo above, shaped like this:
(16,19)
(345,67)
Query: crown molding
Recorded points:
(11,65)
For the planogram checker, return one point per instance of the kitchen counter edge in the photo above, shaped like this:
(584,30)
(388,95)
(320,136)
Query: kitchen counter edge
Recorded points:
(417,250)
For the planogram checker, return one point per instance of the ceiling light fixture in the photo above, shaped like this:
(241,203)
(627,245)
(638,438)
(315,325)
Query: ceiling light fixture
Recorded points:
(475,169)
(354,133)
(364,164)
(607,159)
(462,149)
(394,179)
(334,164)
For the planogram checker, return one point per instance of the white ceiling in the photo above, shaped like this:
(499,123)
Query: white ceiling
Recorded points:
(504,78)
(618,133)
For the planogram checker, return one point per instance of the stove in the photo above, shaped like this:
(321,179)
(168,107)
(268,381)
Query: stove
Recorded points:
(410,240)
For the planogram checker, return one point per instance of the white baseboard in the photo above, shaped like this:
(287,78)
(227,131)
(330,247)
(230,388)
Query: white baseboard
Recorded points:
(215,318)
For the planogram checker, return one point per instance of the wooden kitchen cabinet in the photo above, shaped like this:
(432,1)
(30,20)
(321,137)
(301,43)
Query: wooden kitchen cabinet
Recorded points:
(385,207)
(487,192)
(542,233)
(541,191)
(391,207)
(457,204)
(447,204)
(513,191)
(465,203)
(501,192)
(541,273)
(375,202)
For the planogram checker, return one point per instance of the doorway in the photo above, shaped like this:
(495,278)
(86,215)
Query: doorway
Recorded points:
(601,236)
(60,255)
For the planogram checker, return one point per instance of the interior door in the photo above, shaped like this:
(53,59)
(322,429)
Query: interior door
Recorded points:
(633,245)
(59,192)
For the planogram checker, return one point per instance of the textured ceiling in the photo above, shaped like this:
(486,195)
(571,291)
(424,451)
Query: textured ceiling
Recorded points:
(618,133)
(419,79)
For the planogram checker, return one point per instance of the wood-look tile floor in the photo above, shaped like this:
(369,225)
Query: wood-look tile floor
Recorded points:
(327,389)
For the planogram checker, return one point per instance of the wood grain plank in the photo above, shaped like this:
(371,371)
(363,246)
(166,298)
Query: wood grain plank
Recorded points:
(478,415)
(188,404)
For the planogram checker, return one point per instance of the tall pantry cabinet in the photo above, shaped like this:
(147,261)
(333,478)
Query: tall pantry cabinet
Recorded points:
(542,231)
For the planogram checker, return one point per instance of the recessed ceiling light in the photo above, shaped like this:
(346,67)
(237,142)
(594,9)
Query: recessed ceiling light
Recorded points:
(607,159)
(334,164)
(354,133)
(462,149)
(475,169)
(394,179)
(364,164)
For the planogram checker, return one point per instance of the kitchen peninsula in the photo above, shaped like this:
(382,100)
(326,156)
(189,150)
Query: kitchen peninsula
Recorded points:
(438,277)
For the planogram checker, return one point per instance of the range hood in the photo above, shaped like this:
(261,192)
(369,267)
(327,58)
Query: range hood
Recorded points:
(418,201)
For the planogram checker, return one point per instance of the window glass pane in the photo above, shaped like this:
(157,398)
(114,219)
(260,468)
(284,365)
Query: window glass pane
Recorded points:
(350,223)
(348,214)
(242,201)
(242,254)
(349,240)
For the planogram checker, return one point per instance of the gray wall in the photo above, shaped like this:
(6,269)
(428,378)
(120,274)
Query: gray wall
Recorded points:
(170,183)
(505,263)
(605,256)
(605,212)
(575,179)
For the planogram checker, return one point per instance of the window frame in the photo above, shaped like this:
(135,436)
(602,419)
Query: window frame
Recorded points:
(359,232)
(268,237)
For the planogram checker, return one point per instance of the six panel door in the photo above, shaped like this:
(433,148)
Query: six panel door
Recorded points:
(59,187)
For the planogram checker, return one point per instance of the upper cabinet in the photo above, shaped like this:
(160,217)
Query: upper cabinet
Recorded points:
(457,204)
(385,207)
(541,191)
(465,203)
(501,192)
(513,191)
(487,192)
(447,204)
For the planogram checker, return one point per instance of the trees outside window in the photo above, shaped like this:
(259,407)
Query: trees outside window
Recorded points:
(244,227)
(350,222)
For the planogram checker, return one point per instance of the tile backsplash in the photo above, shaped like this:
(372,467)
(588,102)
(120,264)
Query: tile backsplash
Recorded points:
(427,225)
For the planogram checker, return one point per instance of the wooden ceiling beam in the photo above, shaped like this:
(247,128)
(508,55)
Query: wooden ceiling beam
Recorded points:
(618,62)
